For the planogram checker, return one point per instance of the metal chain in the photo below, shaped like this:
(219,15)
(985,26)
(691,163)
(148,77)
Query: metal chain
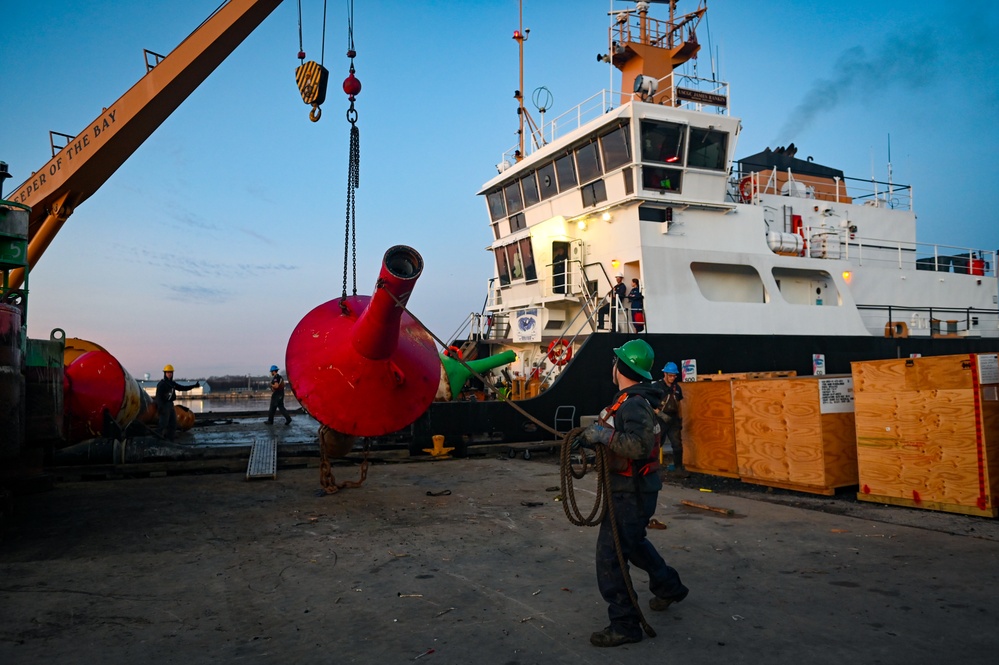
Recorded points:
(603,507)
(329,443)
(353,182)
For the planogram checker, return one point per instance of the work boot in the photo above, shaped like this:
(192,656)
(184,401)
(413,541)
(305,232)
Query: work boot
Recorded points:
(288,421)
(269,422)
(608,637)
(659,604)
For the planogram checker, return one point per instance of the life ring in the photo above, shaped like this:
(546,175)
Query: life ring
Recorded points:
(747,190)
(453,352)
(559,352)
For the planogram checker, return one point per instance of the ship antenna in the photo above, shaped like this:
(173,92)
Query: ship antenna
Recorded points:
(520,36)
(890,188)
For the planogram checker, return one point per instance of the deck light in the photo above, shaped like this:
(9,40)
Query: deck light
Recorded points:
(581,225)
(847,276)
(606,217)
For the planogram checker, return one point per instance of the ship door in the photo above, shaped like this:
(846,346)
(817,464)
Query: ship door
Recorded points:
(560,266)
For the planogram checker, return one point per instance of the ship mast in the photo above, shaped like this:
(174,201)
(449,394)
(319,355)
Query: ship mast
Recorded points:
(653,48)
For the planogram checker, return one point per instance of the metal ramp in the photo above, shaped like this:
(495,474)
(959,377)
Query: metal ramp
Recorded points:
(263,459)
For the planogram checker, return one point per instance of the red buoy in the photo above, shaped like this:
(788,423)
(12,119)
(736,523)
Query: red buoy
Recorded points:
(95,384)
(360,365)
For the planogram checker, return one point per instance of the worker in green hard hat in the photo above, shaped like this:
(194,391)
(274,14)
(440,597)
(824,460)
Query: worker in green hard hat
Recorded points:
(630,431)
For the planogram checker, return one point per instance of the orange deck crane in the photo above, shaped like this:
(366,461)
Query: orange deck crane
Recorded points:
(87,160)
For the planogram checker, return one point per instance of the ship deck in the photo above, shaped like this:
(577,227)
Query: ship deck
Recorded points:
(475,560)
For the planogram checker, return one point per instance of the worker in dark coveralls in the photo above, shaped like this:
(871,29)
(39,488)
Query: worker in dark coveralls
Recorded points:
(630,431)
(669,414)
(277,397)
(165,394)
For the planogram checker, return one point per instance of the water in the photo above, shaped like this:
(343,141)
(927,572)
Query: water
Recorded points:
(235,405)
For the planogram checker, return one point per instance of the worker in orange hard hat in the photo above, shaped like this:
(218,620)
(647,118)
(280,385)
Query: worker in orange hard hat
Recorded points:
(165,394)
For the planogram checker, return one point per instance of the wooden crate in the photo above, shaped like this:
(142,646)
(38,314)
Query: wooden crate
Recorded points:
(928,432)
(796,433)
(709,428)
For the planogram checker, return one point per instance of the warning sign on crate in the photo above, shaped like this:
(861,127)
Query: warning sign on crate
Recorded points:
(988,368)
(836,395)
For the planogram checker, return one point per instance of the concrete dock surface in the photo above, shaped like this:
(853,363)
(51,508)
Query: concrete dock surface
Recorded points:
(473,561)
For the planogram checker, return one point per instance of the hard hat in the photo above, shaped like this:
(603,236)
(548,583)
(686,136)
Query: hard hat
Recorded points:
(637,355)
(168,368)
(620,274)
(274,368)
(671,368)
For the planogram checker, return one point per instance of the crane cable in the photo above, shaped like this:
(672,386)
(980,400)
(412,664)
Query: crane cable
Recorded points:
(351,86)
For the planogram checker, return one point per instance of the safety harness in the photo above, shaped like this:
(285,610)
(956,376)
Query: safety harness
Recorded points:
(622,465)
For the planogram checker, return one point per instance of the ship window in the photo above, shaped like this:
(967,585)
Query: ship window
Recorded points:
(502,266)
(588,162)
(662,142)
(629,181)
(516,261)
(530,271)
(496,230)
(497,210)
(708,149)
(529,184)
(546,179)
(566,171)
(616,147)
(518,222)
(662,179)
(593,193)
(514,201)
(727,282)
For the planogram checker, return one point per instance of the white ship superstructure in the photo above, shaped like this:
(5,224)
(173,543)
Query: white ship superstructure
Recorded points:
(647,184)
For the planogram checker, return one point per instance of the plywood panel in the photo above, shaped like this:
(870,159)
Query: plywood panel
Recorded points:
(783,438)
(708,428)
(926,433)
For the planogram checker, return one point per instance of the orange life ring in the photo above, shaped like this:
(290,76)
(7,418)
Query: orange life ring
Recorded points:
(747,190)
(453,352)
(559,352)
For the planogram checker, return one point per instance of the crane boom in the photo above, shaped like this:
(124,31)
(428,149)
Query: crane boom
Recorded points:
(91,157)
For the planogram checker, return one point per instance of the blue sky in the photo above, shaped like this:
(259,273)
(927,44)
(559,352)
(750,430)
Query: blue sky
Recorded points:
(226,227)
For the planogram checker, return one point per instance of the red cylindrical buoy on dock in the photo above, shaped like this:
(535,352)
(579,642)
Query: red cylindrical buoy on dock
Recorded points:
(360,365)
(97,388)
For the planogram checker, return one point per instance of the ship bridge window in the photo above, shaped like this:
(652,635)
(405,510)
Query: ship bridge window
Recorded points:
(517,222)
(566,171)
(662,142)
(593,193)
(616,148)
(514,200)
(546,179)
(708,149)
(497,209)
(588,162)
(529,185)
(661,178)
(724,282)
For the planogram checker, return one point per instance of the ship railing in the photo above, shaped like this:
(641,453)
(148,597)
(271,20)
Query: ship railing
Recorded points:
(746,185)
(919,256)
(689,92)
(936,322)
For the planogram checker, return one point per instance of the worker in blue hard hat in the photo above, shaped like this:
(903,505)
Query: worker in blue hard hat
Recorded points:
(631,435)
(669,413)
(277,398)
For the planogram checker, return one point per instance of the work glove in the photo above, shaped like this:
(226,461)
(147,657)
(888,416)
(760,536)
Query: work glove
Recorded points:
(579,442)
(596,433)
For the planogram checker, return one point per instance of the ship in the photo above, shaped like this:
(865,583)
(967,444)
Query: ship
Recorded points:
(768,262)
